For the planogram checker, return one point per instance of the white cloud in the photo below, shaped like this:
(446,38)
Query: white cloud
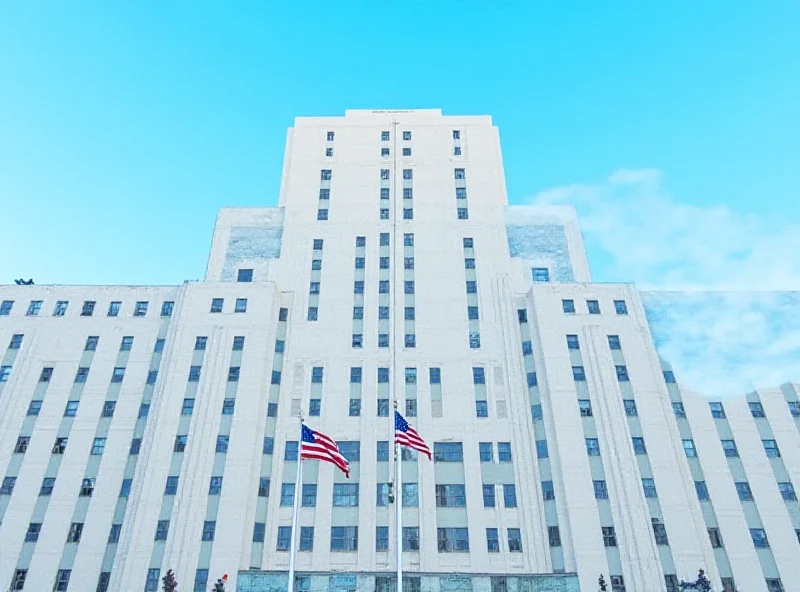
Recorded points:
(718,344)
(661,243)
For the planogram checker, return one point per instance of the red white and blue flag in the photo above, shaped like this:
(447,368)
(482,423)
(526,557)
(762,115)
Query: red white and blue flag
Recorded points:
(405,435)
(317,446)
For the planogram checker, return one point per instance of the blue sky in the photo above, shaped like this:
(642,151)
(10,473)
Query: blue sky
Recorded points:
(125,125)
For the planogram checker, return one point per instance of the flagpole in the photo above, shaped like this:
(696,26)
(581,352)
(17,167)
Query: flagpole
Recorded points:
(398,500)
(297,493)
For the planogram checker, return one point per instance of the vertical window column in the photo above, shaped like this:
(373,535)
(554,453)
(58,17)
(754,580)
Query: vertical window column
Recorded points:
(358,292)
(268,443)
(473,311)
(411,392)
(462,210)
(409,293)
(542,452)
(408,194)
(479,385)
(315,281)
(696,470)
(324,194)
(385,193)
(384,289)
(384,392)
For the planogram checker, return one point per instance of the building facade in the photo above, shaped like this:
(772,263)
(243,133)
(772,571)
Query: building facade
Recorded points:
(152,428)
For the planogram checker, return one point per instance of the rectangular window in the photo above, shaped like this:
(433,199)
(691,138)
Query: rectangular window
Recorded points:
(578,373)
(532,381)
(83,373)
(306,540)
(63,575)
(503,452)
(492,540)
(35,407)
(540,275)
(383,407)
(630,408)
(481,409)
(659,532)
(536,412)
(61,308)
(717,411)
(669,376)
(488,496)
(678,410)
(71,410)
(241,305)
(159,346)
(787,491)
(126,344)
(287,494)
(462,213)
(194,373)
(794,408)
(729,447)
(689,449)
(46,375)
(715,537)
(592,447)
(322,214)
(638,446)
(140,309)
(759,536)
(383,450)
(554,536)
(613,342)
(510,495)
(5,307)
(16,341)
(180,443)
(568,306)
(756,410)
(649,486)
(345,538)
(162,529)
(771,448)
(290,451)
(222,443)
(593,306)
(548,493)
(450,496)
(308,495)
(448,452)
(743,491)
(572,342)
(75,532)
(284,538)
(702,491)
(345,494)
(485,451)
(541,449)
(452,540)
(98,446)
(609,536)
(600,489)
(585,406)
(620,307)
(622,373)
(314,407)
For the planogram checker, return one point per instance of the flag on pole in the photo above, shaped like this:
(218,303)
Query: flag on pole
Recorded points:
(318,446)
(405,435)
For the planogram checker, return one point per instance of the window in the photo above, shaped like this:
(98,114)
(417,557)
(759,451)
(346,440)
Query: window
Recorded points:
(592,447)
(548,493)
(216,304)
(787,491)
(630,408)
(678,410)
(572,342)
(382,494)
(456,150)
(358,287)
(649,486)
(113,308)
(316,375)
(222,443)
(540,275)
(406,151)
(492,540)
(771,448)
(61,308)
(447,452)
(314,407)
(452,540)
(481,409)
(125,488)
(87,309)
(613,342)
(136,445)
(35,307)
(578,373)
(716,538)
(82,374)
(200,343)
(287,494)
(774,585)
(408,287)
(759,537)
(568,306)
(313,313)
(241,305)
(457,136)
(34,407)
(18,582)
(209,529)
(62,580)
(600,489)
(503,452)
(702,491)
(306,540)
(689,449)
(345,538)
(462,213)
(98,446)
(113,535)
(140,309)
(351,450)
(325,175)
(308,495)
(71,410)
(162,529)
(384,136)
(729,447)
(345,494)
(358,313)
(194,373)
(60,446)
(593,306)
(259,528)
(410,538)
(159,347)
(383,450)
(541,449)
(46,375)
(22,444)
(794,408)
(717,411)
(669,377)
(728,585)
(75,532)
(532,381)
(515,540)
(384,152)
(7,488)
(410,494)
(509,495)
(756,410)
(659,532)
(622,373)
(5,307)
(383,407)
(485,451)
(290,450)
(585,406)
(609,536)
(411,407)
(743,491)
(152,375)
(268,445)
(638,446)
(16,341)
(450,496)
(620,307)
(48,483)
(188,407)
(32,535)
(126,344)
(244,275)
(536,412)
(554,536)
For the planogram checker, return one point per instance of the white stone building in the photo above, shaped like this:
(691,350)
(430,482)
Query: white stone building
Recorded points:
(152,428)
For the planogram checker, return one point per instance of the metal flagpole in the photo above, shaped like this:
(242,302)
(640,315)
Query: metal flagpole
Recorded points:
(297,487)
(398,501)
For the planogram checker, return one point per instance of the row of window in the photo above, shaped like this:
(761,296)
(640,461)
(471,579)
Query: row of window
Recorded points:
(88,308)
(568,305)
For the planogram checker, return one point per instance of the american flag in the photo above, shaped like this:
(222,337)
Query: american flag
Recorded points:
(405,435)
(318,446)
